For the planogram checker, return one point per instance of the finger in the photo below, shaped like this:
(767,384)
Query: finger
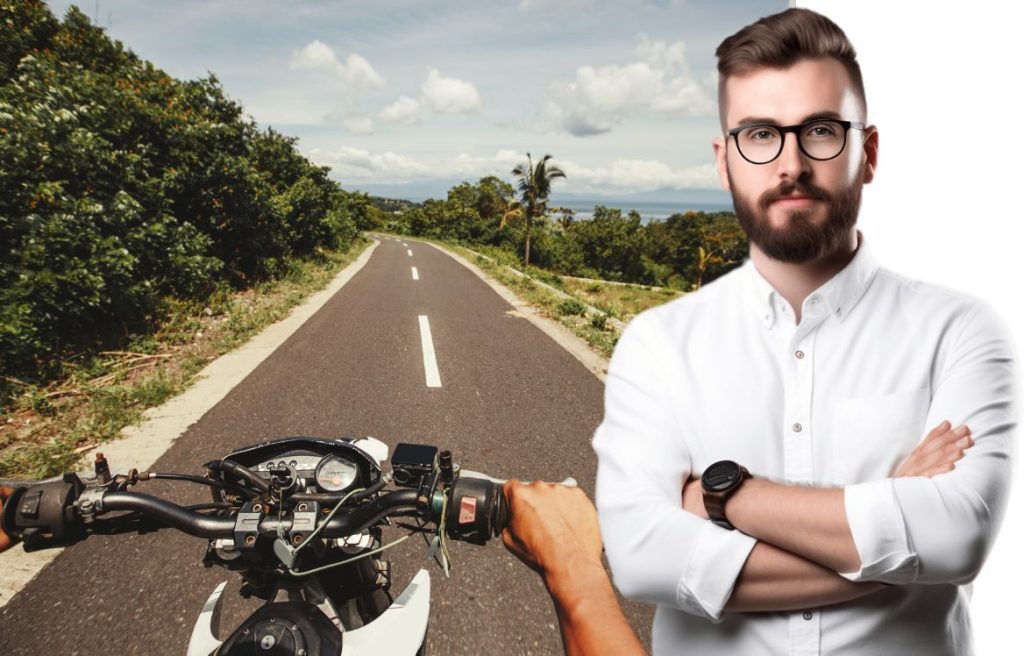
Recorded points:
(961,444)
(939,430)
(944,439)
(942,457)
(938,440)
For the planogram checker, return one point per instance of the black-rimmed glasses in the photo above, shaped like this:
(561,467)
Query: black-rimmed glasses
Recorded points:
(820,139)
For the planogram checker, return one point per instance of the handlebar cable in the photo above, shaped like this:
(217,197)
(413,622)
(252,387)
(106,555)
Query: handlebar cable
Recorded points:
(212,482)
(384,480)
(241,472)
(365,554)
(446,559)
(331,497)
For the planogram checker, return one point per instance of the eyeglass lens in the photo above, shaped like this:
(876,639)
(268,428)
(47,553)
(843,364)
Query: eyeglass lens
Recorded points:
(820,140)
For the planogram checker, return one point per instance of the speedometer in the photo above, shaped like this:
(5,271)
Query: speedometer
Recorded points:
(334,474)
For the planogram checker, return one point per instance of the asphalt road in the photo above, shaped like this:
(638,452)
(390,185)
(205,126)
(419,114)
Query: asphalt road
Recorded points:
(512,403)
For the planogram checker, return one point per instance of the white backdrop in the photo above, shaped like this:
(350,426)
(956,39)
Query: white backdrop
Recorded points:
(943,81)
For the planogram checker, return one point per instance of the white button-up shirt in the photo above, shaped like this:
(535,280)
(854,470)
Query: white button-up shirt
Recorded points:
(840,399)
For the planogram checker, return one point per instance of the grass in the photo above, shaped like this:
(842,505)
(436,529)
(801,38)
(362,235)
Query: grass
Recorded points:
(620,301)
(44,430)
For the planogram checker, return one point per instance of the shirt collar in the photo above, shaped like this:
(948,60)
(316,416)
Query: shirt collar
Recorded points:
(840,293)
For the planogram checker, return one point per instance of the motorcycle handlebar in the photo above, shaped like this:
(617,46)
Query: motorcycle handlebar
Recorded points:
(56,513)
(206,526)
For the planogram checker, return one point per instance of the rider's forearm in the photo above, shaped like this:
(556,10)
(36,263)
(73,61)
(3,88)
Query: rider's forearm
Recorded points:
(589,615)
(776,580)
(807,521)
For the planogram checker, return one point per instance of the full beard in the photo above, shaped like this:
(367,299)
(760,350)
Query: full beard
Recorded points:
(800,240)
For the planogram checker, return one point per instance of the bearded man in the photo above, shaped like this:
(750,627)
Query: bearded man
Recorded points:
(753,475)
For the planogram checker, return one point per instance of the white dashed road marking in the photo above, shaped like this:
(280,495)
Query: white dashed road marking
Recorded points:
(429,359)
(415,274)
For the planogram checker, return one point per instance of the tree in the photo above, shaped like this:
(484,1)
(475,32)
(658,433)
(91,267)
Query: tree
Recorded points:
(534,185)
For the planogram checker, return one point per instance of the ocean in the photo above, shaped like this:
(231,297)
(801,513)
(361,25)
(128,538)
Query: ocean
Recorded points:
(649,210)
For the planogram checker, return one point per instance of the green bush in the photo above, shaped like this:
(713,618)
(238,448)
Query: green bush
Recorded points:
(571,306)
(122,188)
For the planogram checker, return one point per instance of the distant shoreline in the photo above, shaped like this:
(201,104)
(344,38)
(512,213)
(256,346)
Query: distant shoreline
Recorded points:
(649,211)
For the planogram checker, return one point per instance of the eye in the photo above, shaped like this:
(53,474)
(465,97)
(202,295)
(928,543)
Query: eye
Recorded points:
(760,134)
(822,130)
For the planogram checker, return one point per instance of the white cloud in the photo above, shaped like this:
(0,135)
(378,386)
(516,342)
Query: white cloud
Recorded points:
(318,56)
(642,175)
(599,98)
(447,95)
(442,95)
(362,164)
(405,110)
(553,4)
(670,58)
(358,125)
(621,175)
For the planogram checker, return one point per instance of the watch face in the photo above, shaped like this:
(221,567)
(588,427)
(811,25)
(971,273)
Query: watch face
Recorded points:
(721,476)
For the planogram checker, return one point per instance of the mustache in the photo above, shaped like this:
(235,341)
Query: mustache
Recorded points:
(791,188)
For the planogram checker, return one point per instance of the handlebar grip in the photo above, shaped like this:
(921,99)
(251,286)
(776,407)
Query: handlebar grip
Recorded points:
(43,516)
(502,514)
(478,509)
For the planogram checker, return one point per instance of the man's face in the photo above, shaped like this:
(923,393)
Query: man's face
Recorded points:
(794,208)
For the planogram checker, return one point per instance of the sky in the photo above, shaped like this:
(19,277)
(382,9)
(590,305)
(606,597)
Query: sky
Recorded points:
(417,95)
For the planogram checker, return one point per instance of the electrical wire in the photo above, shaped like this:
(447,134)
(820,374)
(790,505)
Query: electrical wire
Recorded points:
(211,482)
(365,554)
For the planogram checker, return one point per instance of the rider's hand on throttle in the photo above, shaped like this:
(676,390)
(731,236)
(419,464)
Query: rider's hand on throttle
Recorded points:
(552,528)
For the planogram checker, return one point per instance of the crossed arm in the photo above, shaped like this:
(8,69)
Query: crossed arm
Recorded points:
(799,547)
(803,535)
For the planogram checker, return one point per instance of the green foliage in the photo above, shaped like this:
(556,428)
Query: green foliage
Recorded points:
(682,252)
(571,306)
(121,188)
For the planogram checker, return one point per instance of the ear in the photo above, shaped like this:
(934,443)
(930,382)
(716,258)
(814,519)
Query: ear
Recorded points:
(718,146)
(870,152)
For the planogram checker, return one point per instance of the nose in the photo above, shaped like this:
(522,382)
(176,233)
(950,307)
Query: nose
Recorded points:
(791,162)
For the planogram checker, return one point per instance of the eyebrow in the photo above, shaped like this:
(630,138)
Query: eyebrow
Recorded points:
(758,120)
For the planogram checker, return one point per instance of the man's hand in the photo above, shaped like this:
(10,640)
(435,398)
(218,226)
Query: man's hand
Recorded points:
(5,494)
(936,454)
(552,528)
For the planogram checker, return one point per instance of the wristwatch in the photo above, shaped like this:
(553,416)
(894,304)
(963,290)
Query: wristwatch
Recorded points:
(719,481)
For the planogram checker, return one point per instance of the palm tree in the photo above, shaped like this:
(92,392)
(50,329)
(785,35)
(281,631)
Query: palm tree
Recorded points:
(534,185)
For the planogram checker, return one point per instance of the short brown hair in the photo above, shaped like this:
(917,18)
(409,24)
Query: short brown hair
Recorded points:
(779,41)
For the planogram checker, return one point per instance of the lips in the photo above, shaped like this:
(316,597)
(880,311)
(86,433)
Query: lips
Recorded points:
(794,201)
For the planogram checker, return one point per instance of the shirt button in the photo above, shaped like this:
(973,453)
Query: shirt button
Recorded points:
(808,615)
(797,428)
(799,355)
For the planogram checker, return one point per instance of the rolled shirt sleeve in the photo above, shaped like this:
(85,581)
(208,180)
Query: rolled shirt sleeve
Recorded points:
(657,551)
(940,529)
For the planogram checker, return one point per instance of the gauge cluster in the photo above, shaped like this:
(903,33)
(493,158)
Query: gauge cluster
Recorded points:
(328,466)
(330,473)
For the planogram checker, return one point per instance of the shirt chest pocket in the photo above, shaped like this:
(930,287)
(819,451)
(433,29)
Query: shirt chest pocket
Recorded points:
(874,434)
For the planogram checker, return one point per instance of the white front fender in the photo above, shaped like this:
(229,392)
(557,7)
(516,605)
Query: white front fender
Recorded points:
(400,630)
(204,634)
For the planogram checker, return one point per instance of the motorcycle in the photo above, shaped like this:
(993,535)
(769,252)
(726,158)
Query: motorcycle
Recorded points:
(301,519)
